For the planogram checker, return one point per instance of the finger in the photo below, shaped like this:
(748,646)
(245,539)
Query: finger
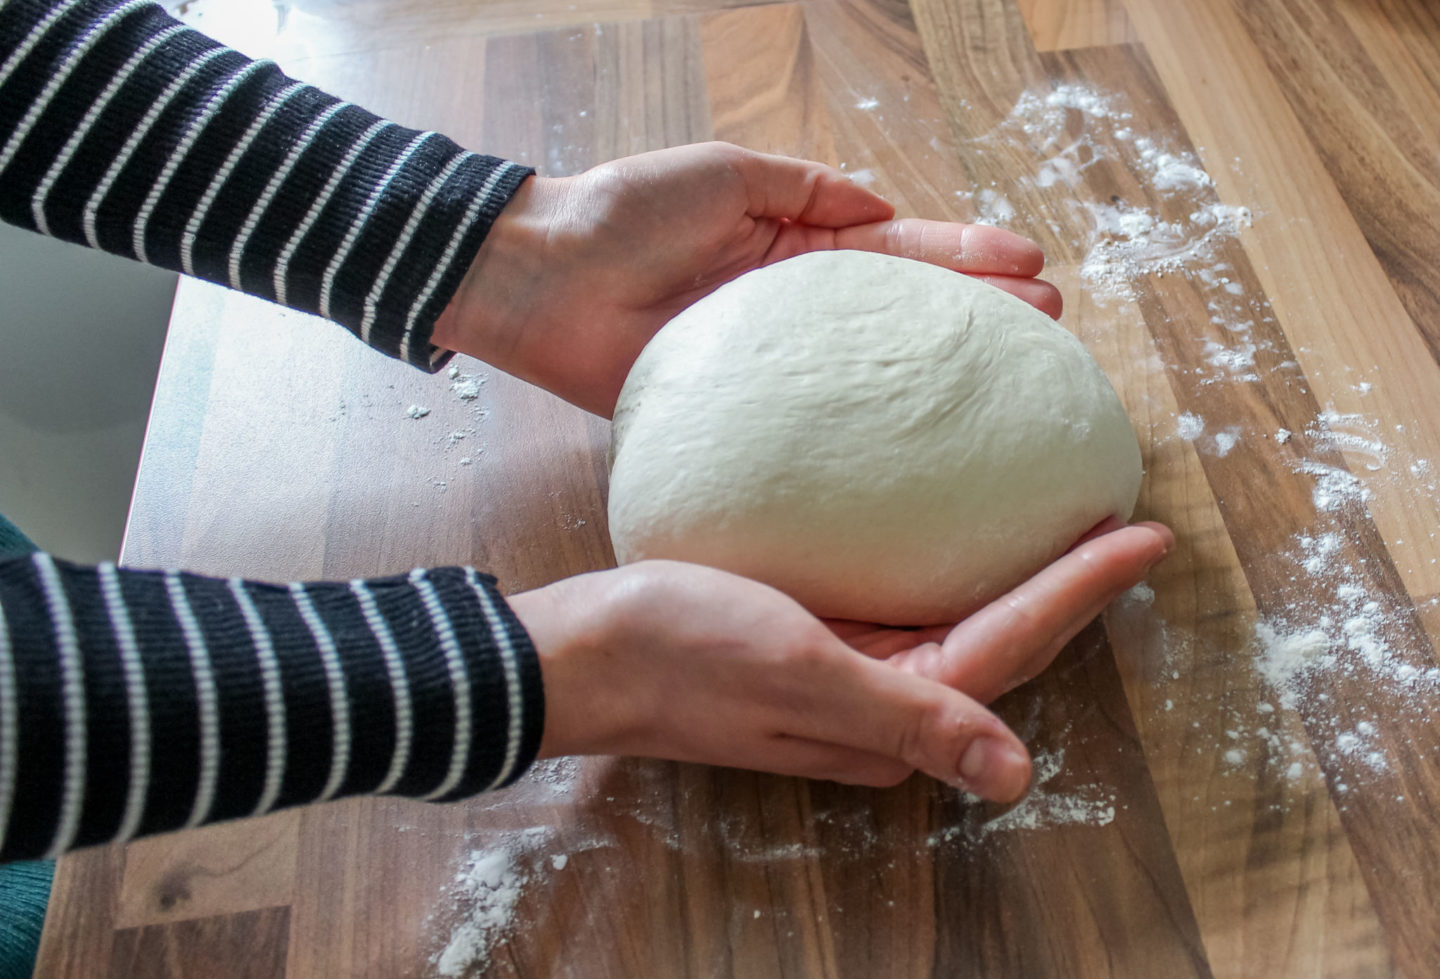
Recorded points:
(866,705)
(803,191)
(883,642)
(815,759)
(1108,525)
(1015,637)
(1037,292)
(975,249)
(865,635)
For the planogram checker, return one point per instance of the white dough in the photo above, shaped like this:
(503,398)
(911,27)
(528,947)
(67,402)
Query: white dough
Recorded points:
(879,438)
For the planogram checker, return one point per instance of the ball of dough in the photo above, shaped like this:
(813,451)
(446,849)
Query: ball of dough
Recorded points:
(879,438)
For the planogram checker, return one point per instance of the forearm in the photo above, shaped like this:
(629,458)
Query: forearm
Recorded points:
(139,702)
(124,130)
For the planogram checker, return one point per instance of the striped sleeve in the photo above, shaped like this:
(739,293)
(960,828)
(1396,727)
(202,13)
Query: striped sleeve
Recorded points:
(135,702)
(125,130)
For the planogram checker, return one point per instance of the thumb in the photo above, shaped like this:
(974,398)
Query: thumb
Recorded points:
(780,187)
(878,709)
(1015,637)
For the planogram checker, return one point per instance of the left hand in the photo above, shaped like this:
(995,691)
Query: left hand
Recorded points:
(578,273)
(671,660)
(1013,639)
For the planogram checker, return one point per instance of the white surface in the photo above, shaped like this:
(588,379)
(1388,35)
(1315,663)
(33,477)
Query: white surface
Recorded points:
(80,340)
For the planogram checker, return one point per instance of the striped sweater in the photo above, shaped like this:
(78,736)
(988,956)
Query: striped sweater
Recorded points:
(134,702)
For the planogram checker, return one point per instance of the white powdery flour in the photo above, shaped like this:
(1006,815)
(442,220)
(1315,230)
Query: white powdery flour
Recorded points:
(1042,808)
(488,889)
(1088,805)
(1346,630)
(1178,227)
(1071,128)
(1336,626)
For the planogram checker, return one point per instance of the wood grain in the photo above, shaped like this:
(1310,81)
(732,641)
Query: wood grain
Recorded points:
(214,871)
(1366,97)
(1166,833)
(762,84)
(250,944)
(1126,868)
(1058,25)
(1187,687)
(80,921)
(1344,320)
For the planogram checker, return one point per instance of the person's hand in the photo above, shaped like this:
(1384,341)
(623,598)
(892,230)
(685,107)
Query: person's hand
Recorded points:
(678,661)
(578,273)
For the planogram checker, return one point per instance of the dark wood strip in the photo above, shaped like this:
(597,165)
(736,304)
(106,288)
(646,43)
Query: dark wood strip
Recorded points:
(247,945)
(1369,103)
(1072,899)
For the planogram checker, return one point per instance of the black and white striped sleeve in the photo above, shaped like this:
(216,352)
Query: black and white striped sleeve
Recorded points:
(125,130)
(134,702)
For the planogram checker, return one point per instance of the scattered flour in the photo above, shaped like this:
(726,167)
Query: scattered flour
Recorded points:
(1225,441)
(1069,129)
(995,208)
(1342,627)
(1285,656)
(1235,363)
(1189,426)
(466,386)
(487,889)
(1141,594)
(1335,488)
(1169,172)
(1353,434)
(1089,805)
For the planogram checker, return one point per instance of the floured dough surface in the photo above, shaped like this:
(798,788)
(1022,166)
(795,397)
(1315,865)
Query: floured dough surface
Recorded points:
(880,438)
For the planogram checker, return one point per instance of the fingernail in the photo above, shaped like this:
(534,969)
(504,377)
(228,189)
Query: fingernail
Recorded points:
(1170,543)
(994,770)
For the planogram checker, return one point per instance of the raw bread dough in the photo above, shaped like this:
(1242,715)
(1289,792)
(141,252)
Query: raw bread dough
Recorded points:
(879,438)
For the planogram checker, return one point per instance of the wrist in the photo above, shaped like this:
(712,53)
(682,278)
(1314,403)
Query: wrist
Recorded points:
(485,317)
(571,624)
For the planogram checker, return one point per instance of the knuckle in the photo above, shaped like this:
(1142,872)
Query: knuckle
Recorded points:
(811,650)
(894,238)
(922,728)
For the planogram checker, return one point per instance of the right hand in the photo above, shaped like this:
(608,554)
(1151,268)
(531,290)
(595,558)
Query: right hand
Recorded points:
(678,661)
(578,273)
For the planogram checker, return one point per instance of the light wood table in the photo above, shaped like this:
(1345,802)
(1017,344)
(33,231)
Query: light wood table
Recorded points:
(1189,819)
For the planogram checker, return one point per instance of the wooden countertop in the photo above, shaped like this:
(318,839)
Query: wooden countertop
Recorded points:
(1237,770)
